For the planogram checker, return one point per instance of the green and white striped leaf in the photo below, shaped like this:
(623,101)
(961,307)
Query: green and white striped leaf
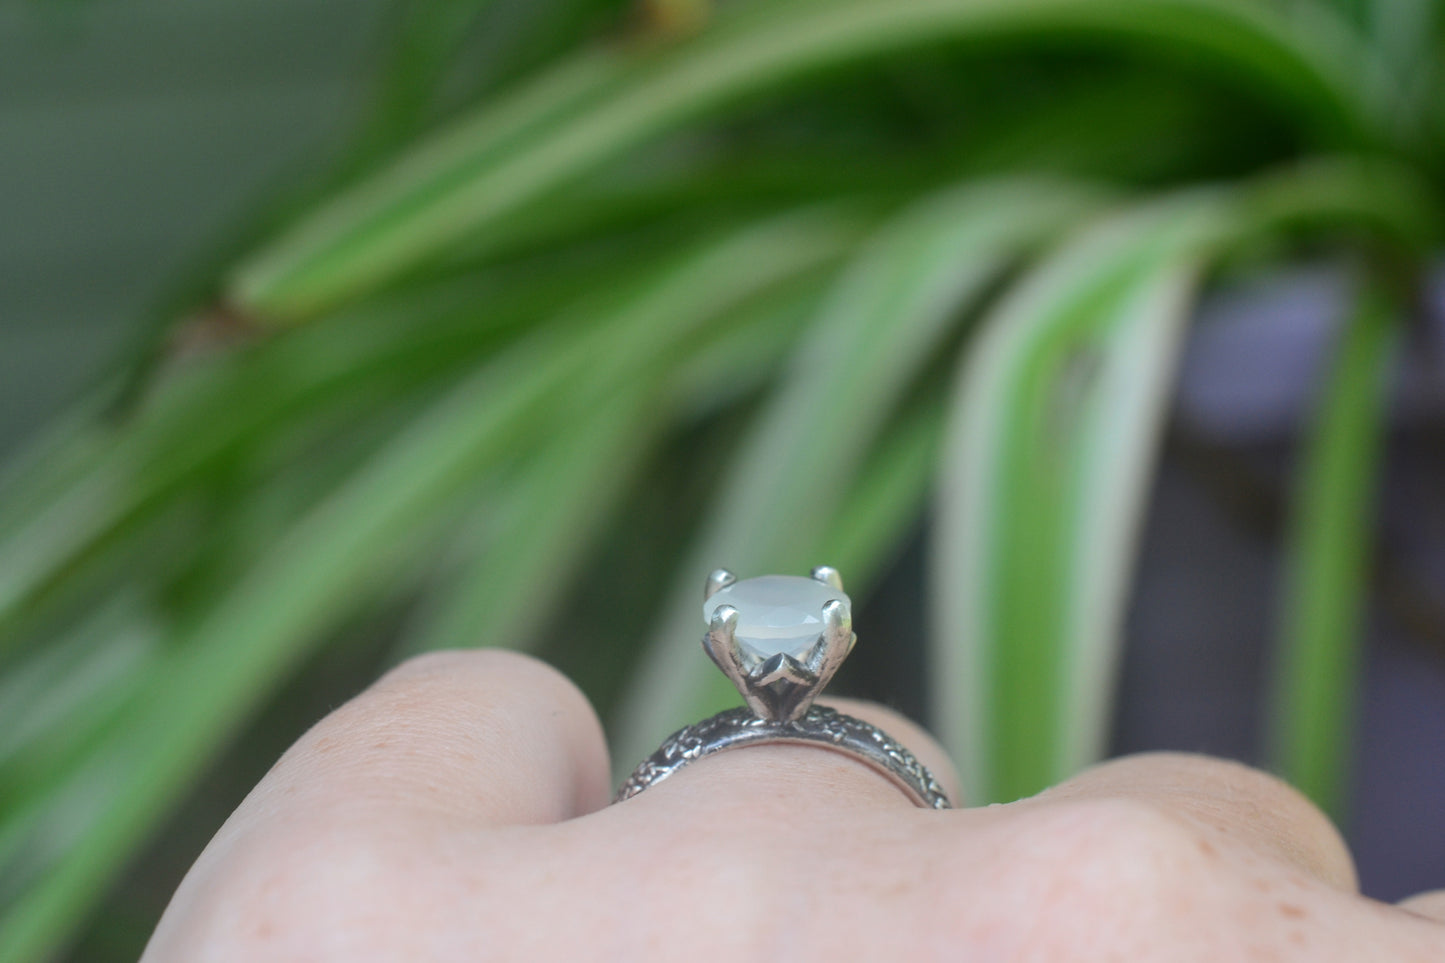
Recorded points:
(1051,440)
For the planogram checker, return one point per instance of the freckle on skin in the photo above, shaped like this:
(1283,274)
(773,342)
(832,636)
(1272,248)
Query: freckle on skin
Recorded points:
(1207,848)
(1292,911)
(1297,937)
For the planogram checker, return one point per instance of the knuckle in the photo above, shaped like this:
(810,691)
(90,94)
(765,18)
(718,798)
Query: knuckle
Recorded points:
(495,679)
(1115,868)
(1134,829)
(428,664)
(445,665)
(439,699)
(1235,803)
(1123,844)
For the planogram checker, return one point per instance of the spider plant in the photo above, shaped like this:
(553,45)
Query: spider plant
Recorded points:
(829,268)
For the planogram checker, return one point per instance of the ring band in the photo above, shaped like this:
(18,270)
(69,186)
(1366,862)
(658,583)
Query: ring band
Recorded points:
(819,726)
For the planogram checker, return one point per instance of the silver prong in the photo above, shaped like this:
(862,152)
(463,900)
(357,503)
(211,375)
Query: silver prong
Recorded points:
(836,642)
(829,576)
(722,646)
(720,578)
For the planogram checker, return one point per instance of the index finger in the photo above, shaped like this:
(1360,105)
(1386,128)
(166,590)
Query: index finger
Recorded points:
(444,744)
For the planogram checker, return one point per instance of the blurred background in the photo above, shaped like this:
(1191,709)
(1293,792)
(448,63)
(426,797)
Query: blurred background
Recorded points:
(1096,342)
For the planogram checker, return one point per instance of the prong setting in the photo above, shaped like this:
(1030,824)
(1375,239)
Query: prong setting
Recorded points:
(719,578)
(835,643)
(782,654)
(721,645)
(828,575)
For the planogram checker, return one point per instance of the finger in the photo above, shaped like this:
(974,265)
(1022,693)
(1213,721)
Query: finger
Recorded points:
(489,737)
(1430,905)
(756,775)
(1229,802)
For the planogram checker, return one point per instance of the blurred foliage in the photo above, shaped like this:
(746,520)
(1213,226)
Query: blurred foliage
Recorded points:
(813,264)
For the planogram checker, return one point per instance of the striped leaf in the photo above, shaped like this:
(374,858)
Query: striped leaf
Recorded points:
(1047,459)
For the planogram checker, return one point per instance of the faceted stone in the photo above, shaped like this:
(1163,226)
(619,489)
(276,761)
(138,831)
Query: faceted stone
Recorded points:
(776,613)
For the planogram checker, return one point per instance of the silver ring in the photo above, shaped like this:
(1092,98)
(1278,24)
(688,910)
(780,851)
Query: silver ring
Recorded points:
(819,726)
(780,639)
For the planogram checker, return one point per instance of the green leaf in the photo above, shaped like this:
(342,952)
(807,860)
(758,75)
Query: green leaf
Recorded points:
(884,320)
(540,524)
(887,496)
(594,108)
(1328,554)
(1386,204)
(1043,480)
(73,679)
(52,706)
(1404,31)
(427,36)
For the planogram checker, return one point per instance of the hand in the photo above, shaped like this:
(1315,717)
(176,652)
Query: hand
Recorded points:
(458,811)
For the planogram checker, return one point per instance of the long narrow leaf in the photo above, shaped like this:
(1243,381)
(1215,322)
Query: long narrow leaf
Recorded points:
(888,495)
(1042,487)
(1328,553)
(428,35)
(541,525)
(593,109)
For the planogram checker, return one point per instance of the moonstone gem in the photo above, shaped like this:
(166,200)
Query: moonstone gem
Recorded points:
(776,613)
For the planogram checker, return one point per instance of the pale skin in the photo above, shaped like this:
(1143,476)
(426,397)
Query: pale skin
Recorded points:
(458,811)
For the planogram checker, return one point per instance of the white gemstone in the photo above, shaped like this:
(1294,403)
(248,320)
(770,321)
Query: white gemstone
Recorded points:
(776,613)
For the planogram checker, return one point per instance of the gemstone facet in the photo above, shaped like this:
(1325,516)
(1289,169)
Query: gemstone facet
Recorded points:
(776,613)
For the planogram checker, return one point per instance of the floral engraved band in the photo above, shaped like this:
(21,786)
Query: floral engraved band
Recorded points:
(780,639)
(819,726)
